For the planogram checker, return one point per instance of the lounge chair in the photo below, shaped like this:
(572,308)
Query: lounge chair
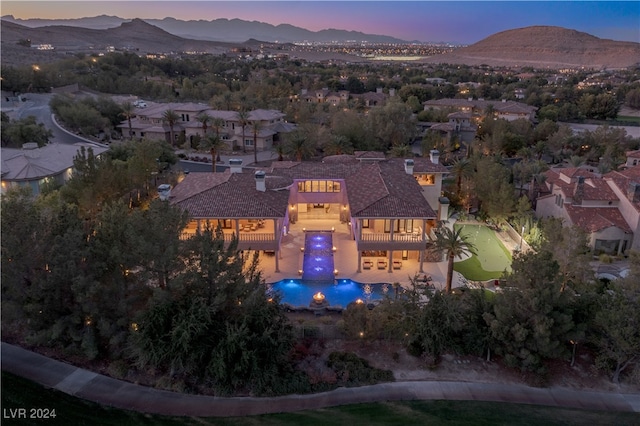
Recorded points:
(397,264)
(367,264)
(382,264)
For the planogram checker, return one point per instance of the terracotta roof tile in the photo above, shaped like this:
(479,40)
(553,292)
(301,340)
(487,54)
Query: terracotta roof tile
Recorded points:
(593,219)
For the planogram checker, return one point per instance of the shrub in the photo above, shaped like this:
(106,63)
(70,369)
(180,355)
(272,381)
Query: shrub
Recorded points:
(352,370)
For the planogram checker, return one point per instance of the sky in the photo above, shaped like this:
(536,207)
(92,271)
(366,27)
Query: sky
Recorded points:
(464,22)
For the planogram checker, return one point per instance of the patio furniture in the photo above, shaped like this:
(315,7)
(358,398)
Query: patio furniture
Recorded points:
(367,264)
(382,264)
(397,264)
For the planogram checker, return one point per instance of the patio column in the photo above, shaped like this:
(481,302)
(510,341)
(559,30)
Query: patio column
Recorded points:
(421,256)
(390,260)
(275,237)
(358,224)
(238,228)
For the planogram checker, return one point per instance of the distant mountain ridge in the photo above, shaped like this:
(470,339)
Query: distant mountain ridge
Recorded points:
(222,30)
(545,46)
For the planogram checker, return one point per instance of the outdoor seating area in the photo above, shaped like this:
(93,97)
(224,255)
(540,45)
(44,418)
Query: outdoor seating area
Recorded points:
(397,264)
(252,226)
(382,264)
(367,264)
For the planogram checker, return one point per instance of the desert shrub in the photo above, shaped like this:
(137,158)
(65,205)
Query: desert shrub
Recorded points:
(352,370)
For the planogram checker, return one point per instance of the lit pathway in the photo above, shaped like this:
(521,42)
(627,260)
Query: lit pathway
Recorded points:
(124,395)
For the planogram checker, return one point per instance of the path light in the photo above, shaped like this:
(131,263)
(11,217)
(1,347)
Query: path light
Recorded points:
(335,272)
(134,326)
(334,248)
(359,301)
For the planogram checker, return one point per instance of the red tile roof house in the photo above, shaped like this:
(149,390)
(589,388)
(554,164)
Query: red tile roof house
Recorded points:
(149,123)
(386,206)
(606,207)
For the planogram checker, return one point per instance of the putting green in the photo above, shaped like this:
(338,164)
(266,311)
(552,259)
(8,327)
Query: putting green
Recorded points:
(492,257)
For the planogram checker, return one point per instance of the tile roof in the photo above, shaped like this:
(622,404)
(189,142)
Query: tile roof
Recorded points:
(385,190)
(374,189)
(633,154)
(235,197)
(593,219)
(622,180)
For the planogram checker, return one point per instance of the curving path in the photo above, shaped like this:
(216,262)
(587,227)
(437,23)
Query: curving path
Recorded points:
(116,393)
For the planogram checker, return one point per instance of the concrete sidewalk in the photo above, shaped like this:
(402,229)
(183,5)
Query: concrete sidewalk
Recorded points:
(116,393)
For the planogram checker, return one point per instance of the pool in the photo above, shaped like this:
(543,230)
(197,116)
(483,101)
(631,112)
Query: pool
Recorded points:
(297,292)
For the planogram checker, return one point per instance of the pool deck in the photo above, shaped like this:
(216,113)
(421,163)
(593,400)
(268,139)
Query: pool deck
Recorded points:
(345,259)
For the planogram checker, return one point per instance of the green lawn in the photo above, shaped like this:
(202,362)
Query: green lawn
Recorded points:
(492,257)
(18,392)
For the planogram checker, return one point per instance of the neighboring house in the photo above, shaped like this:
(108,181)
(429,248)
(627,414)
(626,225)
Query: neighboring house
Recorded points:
(369,99)
(33,167)
(460,124)
(633,158)
(606,207)
(389,205)
(149,123)
(508,110)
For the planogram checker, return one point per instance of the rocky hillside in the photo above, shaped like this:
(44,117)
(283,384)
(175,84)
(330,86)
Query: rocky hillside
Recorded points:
(543,46)
(136,35)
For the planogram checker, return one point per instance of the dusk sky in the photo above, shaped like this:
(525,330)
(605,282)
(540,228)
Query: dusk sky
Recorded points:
(452,21)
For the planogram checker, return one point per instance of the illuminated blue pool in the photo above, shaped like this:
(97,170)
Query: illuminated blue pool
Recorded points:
(341,292)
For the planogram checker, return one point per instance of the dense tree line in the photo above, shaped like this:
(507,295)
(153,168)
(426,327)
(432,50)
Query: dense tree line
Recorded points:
(15,133)
(549,309)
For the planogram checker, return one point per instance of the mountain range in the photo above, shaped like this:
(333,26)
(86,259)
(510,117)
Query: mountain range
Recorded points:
(537,46)
(222,30)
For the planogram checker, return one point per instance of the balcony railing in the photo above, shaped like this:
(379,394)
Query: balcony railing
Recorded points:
(400,238)
(244,237)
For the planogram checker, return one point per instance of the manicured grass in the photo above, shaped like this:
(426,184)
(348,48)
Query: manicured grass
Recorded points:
(21,393)
(628,119)
(492,257)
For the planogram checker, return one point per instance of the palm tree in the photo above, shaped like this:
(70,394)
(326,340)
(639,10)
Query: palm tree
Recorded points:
(298,145)
(214,144)
(256,126)
(128,113)
(204,119)
(461,169)
(401,151)
(243,120)
(337,145)
(452,244)
(217,123)
(171,118)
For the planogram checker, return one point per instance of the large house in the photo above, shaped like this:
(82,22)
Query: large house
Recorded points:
(35,166)
(508,110)
(606,207)
(149,122)
(388,207)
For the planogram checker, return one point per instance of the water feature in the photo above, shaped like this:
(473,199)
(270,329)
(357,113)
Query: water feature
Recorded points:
(317,264)
(341,292)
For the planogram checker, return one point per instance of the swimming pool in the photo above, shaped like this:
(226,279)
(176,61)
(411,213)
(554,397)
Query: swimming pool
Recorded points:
(298,293)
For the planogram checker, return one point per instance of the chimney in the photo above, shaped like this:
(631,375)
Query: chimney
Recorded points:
(235,164)
(164,191)
(378,89)
(408,167)
(434,155)
(578,193)
(260,181)
(31,150)
(633,192)
(443,208)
